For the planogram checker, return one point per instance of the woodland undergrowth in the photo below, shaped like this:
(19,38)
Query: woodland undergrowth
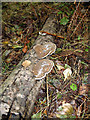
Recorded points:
(21,23)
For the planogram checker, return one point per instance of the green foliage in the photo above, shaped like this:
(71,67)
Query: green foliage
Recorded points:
(37,115)
(85,80)
(78,37)
(58,50)
(86,50)
(64,21)
(60,12)
(59,95)
(73,86)
(82,62)
(17,46)
(5,67)
(65,9)
(42,101)
(67,66)
(53,58)
(88,46)
(61,5)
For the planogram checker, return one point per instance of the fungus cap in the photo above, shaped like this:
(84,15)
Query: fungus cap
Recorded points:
(26,63)
(44,50)
(42,68)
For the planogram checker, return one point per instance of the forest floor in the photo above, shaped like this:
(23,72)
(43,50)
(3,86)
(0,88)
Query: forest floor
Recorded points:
(21,23)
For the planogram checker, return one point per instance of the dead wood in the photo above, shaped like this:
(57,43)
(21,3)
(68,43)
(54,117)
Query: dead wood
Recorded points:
(18,92)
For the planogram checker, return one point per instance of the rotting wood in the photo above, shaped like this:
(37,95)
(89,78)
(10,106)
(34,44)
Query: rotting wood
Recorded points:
(18,92)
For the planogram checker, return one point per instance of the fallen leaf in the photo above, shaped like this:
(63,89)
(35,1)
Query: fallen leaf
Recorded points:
(78,50)
(83,89)
(60,67)
(37,115)
(67,108)
(67,66)
(45,112)
(4,108)
(17,46)
(24,49)
(67,73)
(8,60)
(26,63)
(66,52)
(6,53)
(64,110)
(5,42)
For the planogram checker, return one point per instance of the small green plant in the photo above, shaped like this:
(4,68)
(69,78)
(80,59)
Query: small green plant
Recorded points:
(60,12)
(64,21)
(73,86)
(58,50)
(5,67)
(67,66)
(86,50)
(78,37)
(37,115)
(59,95)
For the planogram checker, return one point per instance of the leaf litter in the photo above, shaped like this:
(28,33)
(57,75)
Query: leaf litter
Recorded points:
(68,98)
(68,91)
(21,24)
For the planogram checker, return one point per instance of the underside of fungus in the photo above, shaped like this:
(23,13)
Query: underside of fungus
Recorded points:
(42,68)
(44,50)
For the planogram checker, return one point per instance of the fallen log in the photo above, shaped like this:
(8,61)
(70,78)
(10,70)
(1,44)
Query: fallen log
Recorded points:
(18,92)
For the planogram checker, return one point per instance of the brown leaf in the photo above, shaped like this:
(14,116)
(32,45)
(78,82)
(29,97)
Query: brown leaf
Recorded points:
(67,72)
(66,52)
(83,89)
(45,112)
(28,41)
(8,60)
(24,49)
(64,109)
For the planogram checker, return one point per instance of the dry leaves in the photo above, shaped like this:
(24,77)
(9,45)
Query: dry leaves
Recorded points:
(67,73)
(25,49)
(83,89)
(64,110)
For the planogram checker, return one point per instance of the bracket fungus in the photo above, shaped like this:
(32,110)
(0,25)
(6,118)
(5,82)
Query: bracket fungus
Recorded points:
(42,68)
(44,50)
(26,63)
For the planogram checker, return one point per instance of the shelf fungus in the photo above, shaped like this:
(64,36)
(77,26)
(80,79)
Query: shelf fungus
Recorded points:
(26,63)
(44,50)
(42,68)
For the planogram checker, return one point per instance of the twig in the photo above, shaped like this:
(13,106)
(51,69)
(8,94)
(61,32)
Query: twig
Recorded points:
(73,16)
(52,34)
(8,24)
(47,91)
(75,2)
(34,10)
(79,24)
